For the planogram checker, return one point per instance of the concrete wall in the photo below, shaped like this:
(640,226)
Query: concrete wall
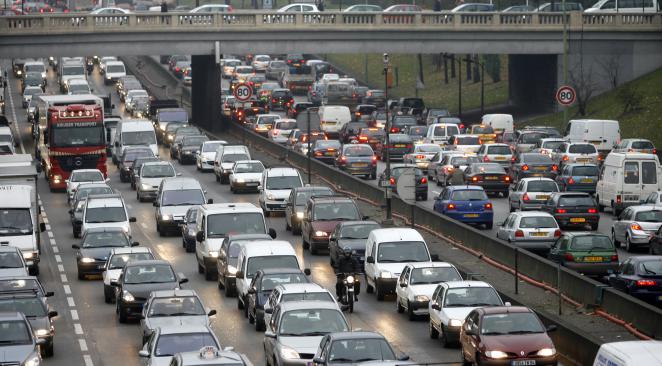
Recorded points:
(532,82)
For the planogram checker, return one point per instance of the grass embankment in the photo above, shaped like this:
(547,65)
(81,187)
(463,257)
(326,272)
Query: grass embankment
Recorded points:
(637,105)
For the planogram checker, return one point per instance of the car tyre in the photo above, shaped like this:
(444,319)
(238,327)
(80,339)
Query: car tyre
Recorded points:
(209,275)
(434,333)
(48,350)
(218,179)
(240,305)
(287,226)
(399,306)
(489,225)
(81,275)
(444,338)
(108,294)
(201,269)
(260,326)
(617,243)
(121,315)
(505,193)
(368,288)
(410,311)
(628,244)
(379,293)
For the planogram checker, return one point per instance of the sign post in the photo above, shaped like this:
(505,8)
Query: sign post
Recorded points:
(243,92)
(566,95)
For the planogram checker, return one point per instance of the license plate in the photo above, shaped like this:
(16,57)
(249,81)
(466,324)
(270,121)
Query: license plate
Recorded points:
(101,266)
(592,259)
(536,175)
(583,160)
(400,145)
(492,178)
(538,234)
(596,142)
(500,158)
(283,206)
(471,215)
(329,154)
(541,168)
(586,180)
(577,219)
(250,184)
(523,363)
(542,197)
(360,164)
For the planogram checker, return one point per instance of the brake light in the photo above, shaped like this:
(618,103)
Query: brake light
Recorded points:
(486,159)
(318,153)
(565,158)
(343,158)
(374,160)
(289,61)
(525,167)
(555,168)
(488,206)
(644,283)
(618,198)
(363,138)
(474,179)
(274,100)
(614,258)
(525,197)
(392,181)
(561,210)
(506,178)
(635,226)
(424,180)
(420,156)
(557,233)
(462,126)
(568,257)
(519,234)
(409,146)
(274,132)
(571,181)
(450,206)
(512,159)
(177,69)
(394,129)
(592,210)
(654,151)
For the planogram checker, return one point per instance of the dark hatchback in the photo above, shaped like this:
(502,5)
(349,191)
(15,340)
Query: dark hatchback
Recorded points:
(491,176)
(297,108)
(420,179)
(326,150)
(372,136)
(353,235)
(641,277)
(399,145)
(400,124)
(190,229)
(93,252)
(357,159)
(533,165)
(281,99)
(350,131)
(573,210)
(129,156)
(578,178)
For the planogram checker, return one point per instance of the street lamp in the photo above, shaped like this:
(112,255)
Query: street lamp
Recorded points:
(387,173)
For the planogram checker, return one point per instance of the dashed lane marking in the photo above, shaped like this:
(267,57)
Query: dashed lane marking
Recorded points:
(55,249)
(63,278)
(67,289)
(70,301)
(78,329)
(74,314)
(60,268)
(88,360)
(83,345)
(50,234)
(58,258)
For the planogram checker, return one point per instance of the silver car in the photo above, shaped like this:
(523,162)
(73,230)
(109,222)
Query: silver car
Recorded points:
(296,329)
(164,342)
(20,346)
(531,193)
(532,230)
(636,225)
(12,263)
(528,140)
(569,152)
(150,176)
(496,153)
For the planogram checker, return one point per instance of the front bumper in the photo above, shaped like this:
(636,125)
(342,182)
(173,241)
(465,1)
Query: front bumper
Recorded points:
(419,307)
(93,268)
(386,285)
(170,225)
(244,185)
(130,309)
(210,264)
(151,194)
(275,205)
(544,361)
(207,164)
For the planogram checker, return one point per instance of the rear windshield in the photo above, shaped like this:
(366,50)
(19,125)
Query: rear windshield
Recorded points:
(587,242)
(358,151)
(482,129)
(469,195)
(649,216)
(499,150)
(576,201)
(542,186)
(536,158)
(545,222)
(404,121)
(488,168)
(532,138)
(582,149)
(286,125)
(468,140)
(642,145)
(591,171)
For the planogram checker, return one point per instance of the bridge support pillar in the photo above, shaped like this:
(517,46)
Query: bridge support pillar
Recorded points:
(206,94)
(532,81)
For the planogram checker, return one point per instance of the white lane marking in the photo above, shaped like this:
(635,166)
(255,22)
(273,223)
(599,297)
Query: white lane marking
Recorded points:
(128,206)
(55,249)
(60,268)
(67,289)
(78,329)
(88,360)
(63,278)
(50,234)
(144,226)
(58,258)
(70,301)
(15,124)
(74,314)
(83,345)
(48,226)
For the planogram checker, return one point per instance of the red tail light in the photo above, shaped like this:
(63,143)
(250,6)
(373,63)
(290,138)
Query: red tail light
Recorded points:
(475,179)
(374,160)
(561,210)
(571,181)
(488,206)
(635,226)
(392,181)
(592,210)
(450,206)
(506,178)
(645,283)
(486,159)
(461,126)
(512,159)
(274,100)
(343,158)
(618,198)
(289,61)
(555,167)
(557,233)
(525,167)
(424,180)
(654,151)
(519,234)
(565,158)
(394,129)
(409,146)
(420,156)
(568,257)
(177,69)
(318,153)
(363,138)
(525,197)
(614,258)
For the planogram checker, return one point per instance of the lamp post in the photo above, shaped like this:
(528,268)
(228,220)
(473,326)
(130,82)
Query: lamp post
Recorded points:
(387,173)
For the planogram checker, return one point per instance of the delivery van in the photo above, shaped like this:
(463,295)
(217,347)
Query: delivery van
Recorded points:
(604,134)
(629,353)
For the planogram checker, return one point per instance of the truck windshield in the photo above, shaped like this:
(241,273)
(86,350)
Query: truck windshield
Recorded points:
(139,138)
(66,135)
(15,221)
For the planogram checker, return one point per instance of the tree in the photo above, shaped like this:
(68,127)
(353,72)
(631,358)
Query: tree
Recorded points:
(493,67)
(611,67)
(630,98)
(584,86)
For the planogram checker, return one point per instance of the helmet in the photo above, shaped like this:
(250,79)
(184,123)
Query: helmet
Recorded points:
(347,251)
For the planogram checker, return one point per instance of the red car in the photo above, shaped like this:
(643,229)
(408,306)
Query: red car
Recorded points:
(321,216)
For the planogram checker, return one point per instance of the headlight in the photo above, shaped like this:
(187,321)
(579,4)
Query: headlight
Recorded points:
(170,137)
(350,279)
(232,269)
(421,298)
(145,186)
(166,217)
(213,253)
(19,72)
(126,229)
(270,196)
(546,352)
(42,332)
(57,178)
(320,233)
(162,127)
(385,274)
(108,77)
(127,296)
(87,260)
(299,215)
(32,360)
(28,255)
(455,323)
(43,75)
(289,353)
(496,354)
(240,180)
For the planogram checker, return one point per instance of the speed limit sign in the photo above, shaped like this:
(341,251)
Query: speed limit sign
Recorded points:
(566,95)
(243,92)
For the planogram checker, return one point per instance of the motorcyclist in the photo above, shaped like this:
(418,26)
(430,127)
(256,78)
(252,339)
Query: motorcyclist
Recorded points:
(347,264)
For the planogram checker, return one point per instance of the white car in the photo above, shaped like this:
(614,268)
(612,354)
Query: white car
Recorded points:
(532,230)
(281,130)
(115,263)
(452,301)
(204,160)
(131,95)
(151,174)
(157,351)
(28,92)
(468,144)
(295,292)
(260,62)
(107,11)
(78,86)
(275,187)
(574,152)
(106,210)
(212,8)
(104,60)
(245,175)
(417,283)
(299,8)
(79,176)
(113,71)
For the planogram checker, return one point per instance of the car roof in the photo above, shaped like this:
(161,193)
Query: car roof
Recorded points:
(267,247)
(532,213)
(104,230)
(582,233)
(279,270)
(505,309)
(336,336)
(11,315)
(297,288)
(639,258)
(235,207)
(174,293)
(311,188)
(307,305)
(396,234)
(536,178)
(248,237)
(130,250)
(644,208)
(462,284)
(180,329)
(281,172)
(148,262)
(357,222)
(173,183)
(430,264)
(220,358)
(330,199)
(9,249)
(465,188)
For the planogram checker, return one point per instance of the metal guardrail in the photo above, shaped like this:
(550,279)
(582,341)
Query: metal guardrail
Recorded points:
(261,20)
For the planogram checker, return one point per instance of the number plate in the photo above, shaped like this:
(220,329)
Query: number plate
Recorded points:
(523,363)
(541,168)
(470,215)
(577,219)
(360,164)
(101,266)
(542,197)
(251,184)
(592,259)
(329,154)
(499,158)
(538,234)
(583,160)
(400,145)
(492,177)
(586,180)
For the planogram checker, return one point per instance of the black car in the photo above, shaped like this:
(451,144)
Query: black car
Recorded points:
(491,176)
(420,179)
(573,209)
(281,99)
(263,283)
(326,150)
(363,110)
(168,133)
(134,170)
(190,229)
(129,156)
(187,149)
(641,277)
(353,235)
(533,165)
(350,131)
(376,97)
(92,253)
(138,280)
(357,159)
(417,133)
(400,144)
(400,124)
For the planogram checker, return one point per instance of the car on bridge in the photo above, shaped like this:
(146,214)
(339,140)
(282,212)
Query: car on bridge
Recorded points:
(635,226)
(573,209)
(417,283)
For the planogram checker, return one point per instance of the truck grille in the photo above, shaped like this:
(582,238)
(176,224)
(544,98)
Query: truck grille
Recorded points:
(69,163)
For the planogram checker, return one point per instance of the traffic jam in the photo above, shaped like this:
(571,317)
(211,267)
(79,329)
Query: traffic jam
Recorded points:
(259,234)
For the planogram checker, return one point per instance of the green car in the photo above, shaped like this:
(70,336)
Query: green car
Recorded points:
(588,253)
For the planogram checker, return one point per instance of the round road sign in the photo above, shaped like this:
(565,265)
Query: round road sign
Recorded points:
(566,95)
(243,92)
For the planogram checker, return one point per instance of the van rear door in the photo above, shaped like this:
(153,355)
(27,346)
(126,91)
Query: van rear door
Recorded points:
(640,178)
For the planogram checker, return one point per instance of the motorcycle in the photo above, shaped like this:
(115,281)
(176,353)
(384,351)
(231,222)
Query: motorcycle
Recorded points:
(351,288)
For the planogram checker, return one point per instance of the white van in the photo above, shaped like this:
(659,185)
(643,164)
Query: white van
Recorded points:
(261,254)
(629,353)
(387,253)
(440,133)
(333,118)
(500,122)
(627,178)
(112,71)
(604,134)
(138,132)
(624,6)
(215,222)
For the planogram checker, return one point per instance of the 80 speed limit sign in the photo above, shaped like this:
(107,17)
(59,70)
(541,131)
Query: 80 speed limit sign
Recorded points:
(566,95)
(243,92)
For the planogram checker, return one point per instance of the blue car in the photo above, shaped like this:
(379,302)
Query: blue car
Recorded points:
(467,204)
(641,277)
(578,178)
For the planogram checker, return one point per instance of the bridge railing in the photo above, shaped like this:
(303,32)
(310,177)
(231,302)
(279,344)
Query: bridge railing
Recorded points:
(68,23)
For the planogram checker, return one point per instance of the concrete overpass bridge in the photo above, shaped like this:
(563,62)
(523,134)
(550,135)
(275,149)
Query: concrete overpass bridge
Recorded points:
(533,40)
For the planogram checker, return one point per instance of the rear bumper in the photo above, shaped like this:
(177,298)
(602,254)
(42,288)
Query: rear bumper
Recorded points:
(593,269)
(566,220)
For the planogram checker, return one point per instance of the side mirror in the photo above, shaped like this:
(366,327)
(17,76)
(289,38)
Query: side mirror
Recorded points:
(507,303)
(49,294)
(210,201)
(117,144)
(403,285)
(366,217)
(370,259)
(183,280)
(403,357)
(42,227)
(200,236)
(239,275)
(551,328)
(318,360)
(70,213)
(143,353)
(114,283)
(434,257)
(132,219)
(268,310)
(470,332)
(435,306)
(270,334)
(135,244)
(272,233)
(52,314)
(306,271)
(252,290)
(75,246)
(41,342)
(211,312)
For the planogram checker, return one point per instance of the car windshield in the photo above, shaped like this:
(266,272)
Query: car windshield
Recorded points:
(118,261)
(552,145)
(14,332)
(306,296)
(536,159)
(284,182)
(591,242)
(531,138)
(335,211)
(651,267)
(303,196)
(327,144)
(173,116)
(649,216)
(105,214)
(469,195)
(77,134)
(402,252)
(499,150)
(312,322)
(73,70)
(358,151)
(10,260)
(211,146)
(139,138)
(153,273)
(488,168)
(538,222)
(432,275)
(468,140)
(582,149)
(221,225)
(463,160)
(115,68)
(511,323)
(29,306)
(75,88)
(590,171)
(28,284)
(571,201)
(86,176)
(482,129)
(471,296)
(231,158)
(84,192)
(542,186)
(360,350)
(277,65)
(105,239)
(15,221)
(269,282)
(271,261)
(182,197)
(359,231)
(248,168)
(286,125)
(157,171)
(194,140)
(171,344)
(176,306)
(131,155)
